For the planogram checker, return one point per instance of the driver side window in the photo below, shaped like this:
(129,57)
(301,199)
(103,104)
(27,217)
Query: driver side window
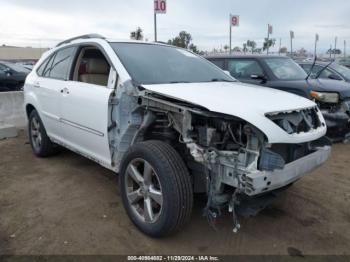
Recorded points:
(244,68)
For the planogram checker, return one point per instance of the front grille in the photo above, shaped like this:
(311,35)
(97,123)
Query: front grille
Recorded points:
(298,121)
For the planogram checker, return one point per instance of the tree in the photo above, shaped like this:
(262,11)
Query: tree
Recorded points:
(226,47)
(184,40)
(252,45)
(237,49)
(245,49)
(137,34)
(334,51)
(283,50)
(268,43)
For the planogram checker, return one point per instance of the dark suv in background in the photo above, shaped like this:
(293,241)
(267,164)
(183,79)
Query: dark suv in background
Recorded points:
(332,97)
(12,76)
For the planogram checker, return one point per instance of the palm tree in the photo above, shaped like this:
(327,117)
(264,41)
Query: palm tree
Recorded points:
(137,34)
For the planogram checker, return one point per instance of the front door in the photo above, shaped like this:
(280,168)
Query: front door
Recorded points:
(85,111)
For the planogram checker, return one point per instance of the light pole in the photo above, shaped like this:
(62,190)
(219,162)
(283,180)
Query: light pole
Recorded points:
(344,48)
(155,27)
(335,46)
(316,40)
(269,31)
(291,43)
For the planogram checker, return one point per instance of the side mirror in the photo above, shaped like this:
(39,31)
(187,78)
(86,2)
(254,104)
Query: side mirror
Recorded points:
(258,77)
(334,77)
(227,72)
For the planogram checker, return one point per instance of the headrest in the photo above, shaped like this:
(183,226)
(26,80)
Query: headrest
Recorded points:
(97,66)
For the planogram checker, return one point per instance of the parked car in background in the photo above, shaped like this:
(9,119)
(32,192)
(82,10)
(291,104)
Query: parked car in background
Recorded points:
(345,61)
(326,70)
(12,76)
(27,64)
(332,97)
(171,124)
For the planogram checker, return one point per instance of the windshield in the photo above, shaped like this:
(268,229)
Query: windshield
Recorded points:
(285,69)
(17,68)
(158,64)
(344,71)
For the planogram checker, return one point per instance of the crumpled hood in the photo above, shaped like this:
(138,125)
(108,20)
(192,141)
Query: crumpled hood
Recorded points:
(248,102)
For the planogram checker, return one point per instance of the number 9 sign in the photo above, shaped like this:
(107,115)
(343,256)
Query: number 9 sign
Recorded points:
(234,20)
(160,6)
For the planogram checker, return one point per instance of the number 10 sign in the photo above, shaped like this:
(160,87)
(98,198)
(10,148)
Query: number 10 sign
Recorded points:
(159,6)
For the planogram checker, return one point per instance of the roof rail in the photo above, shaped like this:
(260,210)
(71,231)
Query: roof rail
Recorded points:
(88,36)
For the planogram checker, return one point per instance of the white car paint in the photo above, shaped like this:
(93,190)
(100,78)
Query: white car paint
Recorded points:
(248,102)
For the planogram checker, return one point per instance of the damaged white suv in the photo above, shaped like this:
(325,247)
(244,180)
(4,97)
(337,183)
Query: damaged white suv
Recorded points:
(171,124)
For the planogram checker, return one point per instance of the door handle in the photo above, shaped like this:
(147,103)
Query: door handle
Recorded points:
(65,91)
(36,84)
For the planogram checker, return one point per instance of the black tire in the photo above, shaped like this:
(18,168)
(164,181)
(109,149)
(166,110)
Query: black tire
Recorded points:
(174,184)
(45,148)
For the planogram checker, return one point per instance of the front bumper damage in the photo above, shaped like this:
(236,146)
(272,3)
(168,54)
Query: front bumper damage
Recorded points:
(262,181)
(253,182)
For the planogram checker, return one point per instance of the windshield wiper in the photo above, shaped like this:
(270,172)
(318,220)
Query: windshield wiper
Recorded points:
(312,67)
(221,80)
(319,72)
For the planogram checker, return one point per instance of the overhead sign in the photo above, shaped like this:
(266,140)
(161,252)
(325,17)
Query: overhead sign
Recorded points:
(159,6)
(234,20)
(292,34)
(270,28)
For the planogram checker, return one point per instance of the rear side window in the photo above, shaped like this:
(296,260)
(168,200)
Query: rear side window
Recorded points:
(58,65)
(244,68)
(218,62)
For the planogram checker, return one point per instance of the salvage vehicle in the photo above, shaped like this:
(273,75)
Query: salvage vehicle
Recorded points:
(332,97)
(12,76)
(171,124)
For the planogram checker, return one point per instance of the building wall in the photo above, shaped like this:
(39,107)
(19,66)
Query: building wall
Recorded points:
(21,53)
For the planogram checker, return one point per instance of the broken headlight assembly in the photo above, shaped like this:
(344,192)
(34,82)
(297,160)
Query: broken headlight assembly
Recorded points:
(325,97)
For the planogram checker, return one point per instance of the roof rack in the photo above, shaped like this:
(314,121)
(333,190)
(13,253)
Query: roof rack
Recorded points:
(88,36)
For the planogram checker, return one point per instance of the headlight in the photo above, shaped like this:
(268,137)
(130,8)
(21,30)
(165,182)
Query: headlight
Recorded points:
(325,97)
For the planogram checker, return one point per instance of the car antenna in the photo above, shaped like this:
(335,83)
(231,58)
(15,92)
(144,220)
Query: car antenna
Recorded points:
(319,73)
(312,67)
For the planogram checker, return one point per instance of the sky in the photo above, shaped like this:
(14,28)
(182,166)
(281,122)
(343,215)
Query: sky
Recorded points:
(41,23)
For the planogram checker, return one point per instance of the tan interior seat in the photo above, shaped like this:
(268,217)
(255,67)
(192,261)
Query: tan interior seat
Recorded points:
(97,71)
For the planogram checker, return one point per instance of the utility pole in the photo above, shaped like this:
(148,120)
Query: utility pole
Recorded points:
(344,48)
(330,52)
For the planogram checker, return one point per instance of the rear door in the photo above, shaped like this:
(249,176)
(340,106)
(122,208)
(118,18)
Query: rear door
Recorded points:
(53,75)
(85,110)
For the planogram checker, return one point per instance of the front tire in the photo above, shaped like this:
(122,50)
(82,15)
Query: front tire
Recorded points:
(156,188)
(40,142)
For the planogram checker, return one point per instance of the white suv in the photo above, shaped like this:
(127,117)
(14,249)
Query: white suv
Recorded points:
(171,124)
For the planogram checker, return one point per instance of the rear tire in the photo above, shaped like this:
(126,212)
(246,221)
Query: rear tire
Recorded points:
(40,142)
(156,188)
